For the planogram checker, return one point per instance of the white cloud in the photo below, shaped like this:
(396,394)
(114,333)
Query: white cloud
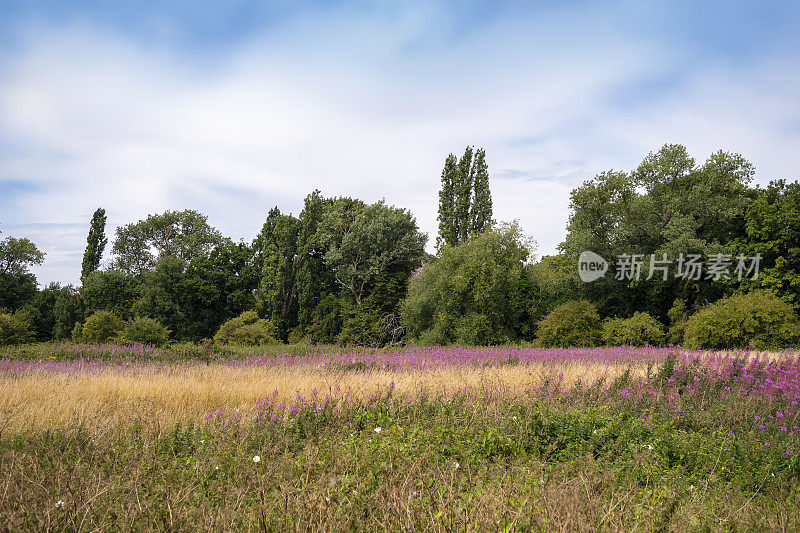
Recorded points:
(98,121)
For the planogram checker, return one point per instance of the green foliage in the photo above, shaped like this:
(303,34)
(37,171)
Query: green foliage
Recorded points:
(289,259)
(363,241)
(111,290)
(183,234)
(77,332)
(215,288)
(146,331)
(773,230)
(476,292)
(739,321)
(53,311)
(639,330)
(16,290)
(678,315)
(575,324)
(102,326)
(95,243)
(162,295)
(326,322)
(247,330)
(16,255)
(668,205)
(465,201)
(556,279)
(14,330)
(17,285)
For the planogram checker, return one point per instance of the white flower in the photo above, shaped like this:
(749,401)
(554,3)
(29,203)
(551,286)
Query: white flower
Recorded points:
(216,468)
(59,504)
(456,465)
(378,429)
(649,447)
(202,441)
(257,458)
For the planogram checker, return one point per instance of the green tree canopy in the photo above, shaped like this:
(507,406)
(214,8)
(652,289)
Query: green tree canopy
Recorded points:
(185,234)
(17,284)
(475,293)
(465,201)
(362,241)
(773,230)
(667,205)
(95,243)
(16,255)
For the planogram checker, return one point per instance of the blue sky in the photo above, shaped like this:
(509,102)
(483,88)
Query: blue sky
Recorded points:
(234,107)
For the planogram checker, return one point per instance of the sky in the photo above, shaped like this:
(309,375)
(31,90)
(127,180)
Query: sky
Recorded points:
(231,108)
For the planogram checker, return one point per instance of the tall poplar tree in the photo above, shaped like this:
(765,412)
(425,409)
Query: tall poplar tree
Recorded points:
(481,209)
(465,202)
(95,243)
(448,233)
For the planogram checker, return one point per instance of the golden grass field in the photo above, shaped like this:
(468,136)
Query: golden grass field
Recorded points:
(37,401)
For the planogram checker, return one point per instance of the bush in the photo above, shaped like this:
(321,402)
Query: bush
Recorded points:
(77,332)
(146,331)
(741,320)
(678,316)
(14,330)
(574,323)
(246,329)
(639,330)
(102,326)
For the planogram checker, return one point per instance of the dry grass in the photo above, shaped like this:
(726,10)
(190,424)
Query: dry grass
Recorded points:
(37,401)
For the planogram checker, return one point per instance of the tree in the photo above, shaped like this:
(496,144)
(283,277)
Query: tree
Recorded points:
(465,201)
(16,255)
(183,234)
(363,241)
(53,311)
(111,290)
(289,257)
(17,284)
(95,243)
(773,231)
(668,205)
(162,295)
(217,287)
(475,293)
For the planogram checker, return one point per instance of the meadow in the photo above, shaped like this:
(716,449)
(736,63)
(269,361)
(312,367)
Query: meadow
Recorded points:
(188,437)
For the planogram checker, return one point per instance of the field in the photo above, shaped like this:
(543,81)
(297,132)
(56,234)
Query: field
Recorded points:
(291,438)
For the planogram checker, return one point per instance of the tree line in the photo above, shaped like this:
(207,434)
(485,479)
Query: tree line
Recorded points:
(350,272)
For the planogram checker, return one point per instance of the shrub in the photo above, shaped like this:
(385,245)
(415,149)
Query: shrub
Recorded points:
(246,329)
(102,326)
(741,320)
(574,323)
(14,330)
(678,316)
(639,330)
(77,332)
(146,331)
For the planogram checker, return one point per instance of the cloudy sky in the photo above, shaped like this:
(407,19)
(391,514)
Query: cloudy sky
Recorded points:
(233,107)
